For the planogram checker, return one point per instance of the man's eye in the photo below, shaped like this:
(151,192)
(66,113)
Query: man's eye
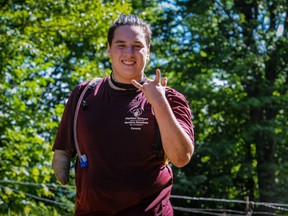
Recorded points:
(121,45)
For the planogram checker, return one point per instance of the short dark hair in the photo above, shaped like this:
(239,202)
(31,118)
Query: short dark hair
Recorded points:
(132,20)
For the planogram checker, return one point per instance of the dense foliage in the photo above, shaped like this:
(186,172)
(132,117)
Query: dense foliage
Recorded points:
(227,57)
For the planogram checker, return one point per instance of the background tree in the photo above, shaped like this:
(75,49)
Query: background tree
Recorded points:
(228,58)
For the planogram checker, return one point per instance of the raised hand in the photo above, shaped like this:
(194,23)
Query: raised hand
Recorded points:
(177,145)
(154,90)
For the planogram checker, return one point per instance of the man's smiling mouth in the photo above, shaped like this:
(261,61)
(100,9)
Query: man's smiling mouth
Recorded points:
(128,62)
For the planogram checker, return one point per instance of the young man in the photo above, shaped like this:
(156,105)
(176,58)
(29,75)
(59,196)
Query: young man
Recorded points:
(118,131)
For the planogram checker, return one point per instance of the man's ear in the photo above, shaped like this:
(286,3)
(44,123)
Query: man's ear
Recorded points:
(148,52)
(108,50)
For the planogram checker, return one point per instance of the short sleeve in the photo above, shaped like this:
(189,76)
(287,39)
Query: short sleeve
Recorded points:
(181,110)
(64,137)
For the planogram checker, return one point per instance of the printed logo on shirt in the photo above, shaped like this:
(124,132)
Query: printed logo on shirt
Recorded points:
(137,112)
(136,122)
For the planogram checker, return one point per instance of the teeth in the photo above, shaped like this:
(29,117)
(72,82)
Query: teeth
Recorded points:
(128,62)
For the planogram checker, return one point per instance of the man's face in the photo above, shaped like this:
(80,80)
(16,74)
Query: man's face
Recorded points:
(128,52)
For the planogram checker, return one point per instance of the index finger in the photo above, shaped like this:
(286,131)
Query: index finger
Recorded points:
(158,75)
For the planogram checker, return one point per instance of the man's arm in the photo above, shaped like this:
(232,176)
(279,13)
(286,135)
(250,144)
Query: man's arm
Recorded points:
(61,165)
(177,144)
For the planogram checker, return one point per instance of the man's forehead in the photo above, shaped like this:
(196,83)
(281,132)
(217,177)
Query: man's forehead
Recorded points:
(129,31)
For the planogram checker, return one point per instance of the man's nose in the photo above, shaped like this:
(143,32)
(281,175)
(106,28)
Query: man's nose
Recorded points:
(129,50)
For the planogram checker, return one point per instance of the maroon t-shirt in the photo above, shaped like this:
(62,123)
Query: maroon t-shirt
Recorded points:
(116,132)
